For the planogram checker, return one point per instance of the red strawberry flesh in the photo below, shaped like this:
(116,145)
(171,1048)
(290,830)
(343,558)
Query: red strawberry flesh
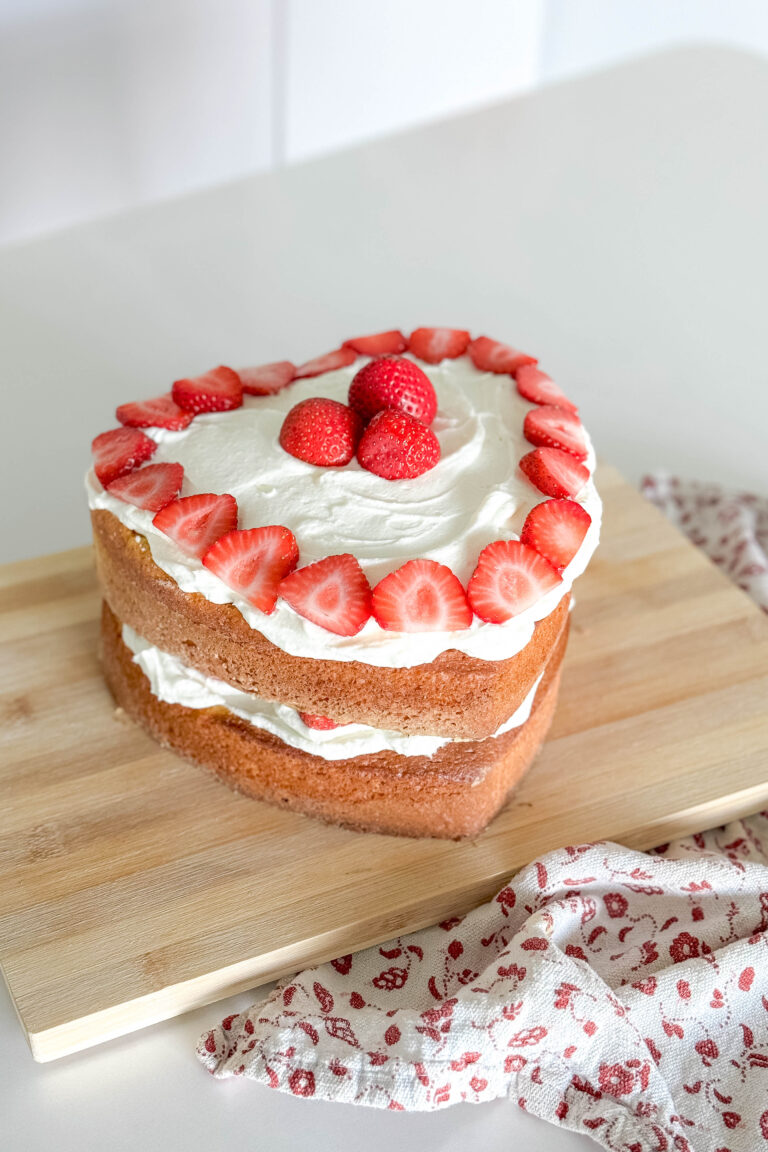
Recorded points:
(536,386)
(436,344)
(119,451)
(556,529)
(492,356)
(509,577)
(321,431)
(195,522)
(340,358)
(396,446)
(319,723)
(267,379)
(393,382)
(422,596)
(160,412)
(332,593)
(551,427)
(219,390)
(253,561)
(380,344)
(150,487)
(553,472)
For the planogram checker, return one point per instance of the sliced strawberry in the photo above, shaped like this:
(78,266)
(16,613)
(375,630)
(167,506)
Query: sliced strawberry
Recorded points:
(321,431)
(491,356)
(267,379)
(219,390)
(436,344)
(539,388)
(253,562)
(319,723)
(422,596)
(509,578)
(194,522)
(398,446)
(160,412)
(328,363)
(393,382)
(381,344)
(551,427)
(554,473)
(556,529)
(332,593)
(119,451)
(151,487)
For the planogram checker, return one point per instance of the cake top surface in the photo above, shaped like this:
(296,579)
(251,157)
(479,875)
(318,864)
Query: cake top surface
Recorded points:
(474,495)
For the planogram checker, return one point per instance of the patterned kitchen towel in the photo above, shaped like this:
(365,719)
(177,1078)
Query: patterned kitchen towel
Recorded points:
(731,527)
(617,993)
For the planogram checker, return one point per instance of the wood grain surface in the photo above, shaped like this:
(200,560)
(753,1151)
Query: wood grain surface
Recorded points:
(135,886)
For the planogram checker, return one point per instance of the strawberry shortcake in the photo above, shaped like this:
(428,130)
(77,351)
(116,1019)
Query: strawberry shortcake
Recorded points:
(345,586)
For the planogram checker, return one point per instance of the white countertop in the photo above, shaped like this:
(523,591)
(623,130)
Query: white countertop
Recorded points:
(613,225)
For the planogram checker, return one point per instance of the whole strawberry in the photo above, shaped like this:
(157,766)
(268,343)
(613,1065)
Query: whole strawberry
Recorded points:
(321,431)
(398,446)
(393,382)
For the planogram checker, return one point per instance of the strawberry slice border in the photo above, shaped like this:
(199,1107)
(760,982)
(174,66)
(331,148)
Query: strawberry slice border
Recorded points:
(344,356)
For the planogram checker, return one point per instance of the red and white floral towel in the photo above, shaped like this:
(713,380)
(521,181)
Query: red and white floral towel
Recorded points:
(731,527)
(618,993)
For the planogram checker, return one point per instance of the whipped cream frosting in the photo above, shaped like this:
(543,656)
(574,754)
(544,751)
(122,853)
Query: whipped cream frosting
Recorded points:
(474,495)
(175,683)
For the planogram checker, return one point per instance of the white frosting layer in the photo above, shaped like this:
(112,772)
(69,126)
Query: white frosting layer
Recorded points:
(476,494)
(175,683)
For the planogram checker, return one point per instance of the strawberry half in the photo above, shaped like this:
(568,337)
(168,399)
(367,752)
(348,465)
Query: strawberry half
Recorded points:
(393,382)
(380,344)
(321,431)
(328,363)
(509,578)
(491,356)
(194,522)
(319,723)
(551,427)
(119,451)
(398,446)
(422,596)
(333,593)
(554,473)
(160,412)
(253,561)
(151,487)
(556,529)
(219,390)
(267,379)
(536,386)
(436,344)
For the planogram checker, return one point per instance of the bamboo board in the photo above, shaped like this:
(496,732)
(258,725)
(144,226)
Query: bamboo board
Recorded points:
(135,886)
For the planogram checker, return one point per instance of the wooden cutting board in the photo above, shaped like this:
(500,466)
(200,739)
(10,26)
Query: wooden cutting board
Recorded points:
(135,886)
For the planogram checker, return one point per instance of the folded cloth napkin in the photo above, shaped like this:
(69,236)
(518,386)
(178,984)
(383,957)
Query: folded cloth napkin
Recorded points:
(617,993)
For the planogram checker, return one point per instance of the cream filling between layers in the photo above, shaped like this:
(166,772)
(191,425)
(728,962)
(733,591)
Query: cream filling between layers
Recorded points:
(176,683)
(474,495)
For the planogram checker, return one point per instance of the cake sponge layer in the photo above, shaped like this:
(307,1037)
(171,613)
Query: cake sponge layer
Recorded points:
(455,695)
(452,794)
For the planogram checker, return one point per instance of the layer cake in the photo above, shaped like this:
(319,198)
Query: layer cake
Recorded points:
(345,587)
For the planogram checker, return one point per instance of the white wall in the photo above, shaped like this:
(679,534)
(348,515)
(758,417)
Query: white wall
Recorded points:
(586,34)
(106,104)
(356,70)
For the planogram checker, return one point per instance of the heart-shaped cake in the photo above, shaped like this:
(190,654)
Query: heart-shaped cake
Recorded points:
(345,586)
